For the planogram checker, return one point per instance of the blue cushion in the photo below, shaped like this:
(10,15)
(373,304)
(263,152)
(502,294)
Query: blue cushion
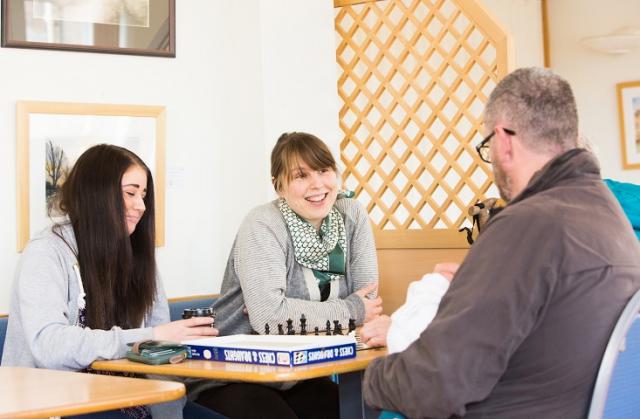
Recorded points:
(628,194)
(4,321)
(387,414)
(177,307)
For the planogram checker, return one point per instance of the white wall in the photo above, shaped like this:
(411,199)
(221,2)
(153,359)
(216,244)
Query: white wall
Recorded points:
(188,86)
(299,70)
(523,20)
(245,71)
(594,75)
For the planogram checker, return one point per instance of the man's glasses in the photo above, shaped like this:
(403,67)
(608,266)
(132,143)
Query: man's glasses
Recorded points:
(483,147)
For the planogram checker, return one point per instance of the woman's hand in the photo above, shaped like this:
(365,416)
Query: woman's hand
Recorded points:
(372,306)
(374,333)
(448,270)
(193,328)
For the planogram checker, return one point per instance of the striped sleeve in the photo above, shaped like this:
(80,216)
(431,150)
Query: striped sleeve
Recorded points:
(260,264)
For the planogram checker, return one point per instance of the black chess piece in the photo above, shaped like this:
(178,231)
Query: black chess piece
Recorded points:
(316,331)
(303,325)
(352,325)
(280,329)
(339,332)
(266,328)
(188,313)
(290,330)
(328,329)
(335,327)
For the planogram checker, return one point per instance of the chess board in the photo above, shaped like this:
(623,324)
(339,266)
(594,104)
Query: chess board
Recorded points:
(361,346)
(337,330)
(285,350)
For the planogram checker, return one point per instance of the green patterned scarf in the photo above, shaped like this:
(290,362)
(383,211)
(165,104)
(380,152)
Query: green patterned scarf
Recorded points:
(321,251)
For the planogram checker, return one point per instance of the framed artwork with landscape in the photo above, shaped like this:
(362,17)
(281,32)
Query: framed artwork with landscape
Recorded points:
(140,27)
(629,113)
(52,135)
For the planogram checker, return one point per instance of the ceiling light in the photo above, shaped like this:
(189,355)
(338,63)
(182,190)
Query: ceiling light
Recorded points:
(617,42)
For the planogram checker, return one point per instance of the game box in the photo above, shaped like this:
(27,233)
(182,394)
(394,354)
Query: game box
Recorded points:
(285,350)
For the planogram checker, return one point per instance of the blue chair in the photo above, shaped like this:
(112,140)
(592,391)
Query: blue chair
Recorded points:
(385,414)
(4,321)
(628,194)
(617,390)
(178,305)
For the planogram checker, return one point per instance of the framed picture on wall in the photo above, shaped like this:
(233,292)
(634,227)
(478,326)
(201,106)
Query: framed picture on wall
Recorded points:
(629,113)
(140,27)
(52,135)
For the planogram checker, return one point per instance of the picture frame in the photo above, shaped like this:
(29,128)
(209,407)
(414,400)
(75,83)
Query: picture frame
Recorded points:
(137,27)
(629,114)
(52,135)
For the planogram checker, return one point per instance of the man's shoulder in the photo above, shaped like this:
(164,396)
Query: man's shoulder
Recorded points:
(577,223)
(558,205)
(537,212)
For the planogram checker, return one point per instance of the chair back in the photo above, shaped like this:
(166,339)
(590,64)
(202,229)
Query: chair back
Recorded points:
(387,414)
(178,305)
(4,321)
(617,390)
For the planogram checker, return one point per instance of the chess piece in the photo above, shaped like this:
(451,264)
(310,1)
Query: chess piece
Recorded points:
(328,329)
(335,327)
(280,329)
(290,330)
(303,325)
(188,313)
(316,331)
(339,332)
(352,325)
(266,328)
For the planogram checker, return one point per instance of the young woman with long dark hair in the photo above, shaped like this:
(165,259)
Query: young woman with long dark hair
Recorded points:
(88,286)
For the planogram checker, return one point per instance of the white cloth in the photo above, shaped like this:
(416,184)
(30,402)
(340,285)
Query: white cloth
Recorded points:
(419,309)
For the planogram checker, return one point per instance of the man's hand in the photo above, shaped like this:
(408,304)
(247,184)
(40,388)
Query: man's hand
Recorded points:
(448,270)
(374,333)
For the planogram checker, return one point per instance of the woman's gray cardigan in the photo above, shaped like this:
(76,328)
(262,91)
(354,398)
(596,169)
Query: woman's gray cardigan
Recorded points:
(43,313)
(263,275)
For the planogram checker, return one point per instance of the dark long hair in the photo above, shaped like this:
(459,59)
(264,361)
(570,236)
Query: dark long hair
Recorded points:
(118,270)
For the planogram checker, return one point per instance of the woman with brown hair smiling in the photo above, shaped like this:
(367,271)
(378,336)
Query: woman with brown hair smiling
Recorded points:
(308,253)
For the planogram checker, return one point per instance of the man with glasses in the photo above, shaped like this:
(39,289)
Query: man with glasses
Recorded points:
(521,331)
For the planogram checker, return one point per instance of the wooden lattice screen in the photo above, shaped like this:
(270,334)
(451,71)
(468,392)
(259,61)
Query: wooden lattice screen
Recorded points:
(414,76)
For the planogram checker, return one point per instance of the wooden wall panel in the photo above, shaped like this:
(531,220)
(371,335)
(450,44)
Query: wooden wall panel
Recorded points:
(413,78)
(399,267)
